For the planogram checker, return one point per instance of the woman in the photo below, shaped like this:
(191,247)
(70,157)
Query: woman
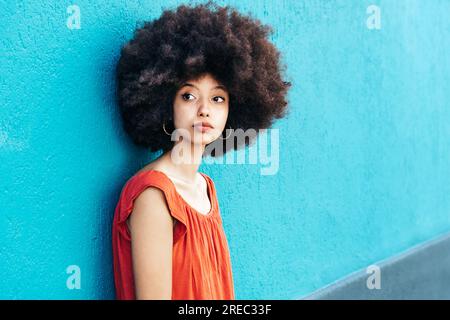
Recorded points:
(182,80)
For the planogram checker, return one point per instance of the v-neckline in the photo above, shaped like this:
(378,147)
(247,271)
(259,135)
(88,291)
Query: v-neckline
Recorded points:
(208,188)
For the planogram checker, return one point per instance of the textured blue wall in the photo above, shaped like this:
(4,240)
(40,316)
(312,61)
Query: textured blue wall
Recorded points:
(364,154)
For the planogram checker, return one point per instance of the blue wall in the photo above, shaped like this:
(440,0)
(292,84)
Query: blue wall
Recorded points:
(364,154)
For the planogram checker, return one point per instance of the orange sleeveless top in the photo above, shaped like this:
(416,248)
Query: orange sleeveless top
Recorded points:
(201,264)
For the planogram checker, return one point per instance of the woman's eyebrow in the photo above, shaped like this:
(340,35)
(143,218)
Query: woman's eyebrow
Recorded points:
(191,85)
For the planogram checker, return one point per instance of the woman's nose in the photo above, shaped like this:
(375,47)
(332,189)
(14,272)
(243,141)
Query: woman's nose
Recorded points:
(203,108)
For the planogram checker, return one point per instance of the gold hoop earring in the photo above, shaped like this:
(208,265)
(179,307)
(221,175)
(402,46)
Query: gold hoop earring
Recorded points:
(164,129)
(231,129)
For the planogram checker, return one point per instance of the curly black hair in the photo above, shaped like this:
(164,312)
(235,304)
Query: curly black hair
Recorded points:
(186,43)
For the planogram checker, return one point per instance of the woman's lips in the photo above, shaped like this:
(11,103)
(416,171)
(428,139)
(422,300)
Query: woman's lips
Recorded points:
(202,128)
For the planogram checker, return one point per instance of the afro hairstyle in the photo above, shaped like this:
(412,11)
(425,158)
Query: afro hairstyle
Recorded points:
(186,43)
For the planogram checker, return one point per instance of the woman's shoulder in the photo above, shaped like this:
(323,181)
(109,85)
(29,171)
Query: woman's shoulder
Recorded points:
(148,176)
(210,181)
(150,186)
(143,179)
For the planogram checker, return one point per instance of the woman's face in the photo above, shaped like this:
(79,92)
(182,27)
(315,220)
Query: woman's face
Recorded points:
(201,100)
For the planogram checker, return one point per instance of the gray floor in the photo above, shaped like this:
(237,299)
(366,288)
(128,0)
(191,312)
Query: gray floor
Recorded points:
(422,272)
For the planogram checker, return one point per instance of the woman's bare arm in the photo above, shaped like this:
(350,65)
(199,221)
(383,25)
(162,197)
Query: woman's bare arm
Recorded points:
(151,228)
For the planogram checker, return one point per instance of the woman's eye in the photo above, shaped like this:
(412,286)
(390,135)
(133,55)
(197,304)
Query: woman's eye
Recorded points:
(186,95)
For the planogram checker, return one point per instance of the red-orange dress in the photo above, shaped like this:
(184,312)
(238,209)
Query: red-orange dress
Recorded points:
(201,264)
